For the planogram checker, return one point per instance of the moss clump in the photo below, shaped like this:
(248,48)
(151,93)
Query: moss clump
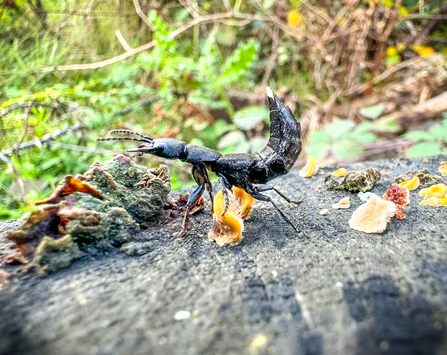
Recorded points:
(54,254)
(363,180)
(424,176)
(105,204)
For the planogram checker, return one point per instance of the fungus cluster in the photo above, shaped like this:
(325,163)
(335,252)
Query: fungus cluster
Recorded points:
(400,196)
(227,228)
(340,172)
(373,216)
(443,168)
(435,195)
(310,169)
(425,178)
(411,184)
(343,203)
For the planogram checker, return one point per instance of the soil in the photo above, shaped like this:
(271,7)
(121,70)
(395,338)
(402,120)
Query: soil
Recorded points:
(325,290)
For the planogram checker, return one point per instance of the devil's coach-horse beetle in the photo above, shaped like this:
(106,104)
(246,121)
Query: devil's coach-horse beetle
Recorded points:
(239,169)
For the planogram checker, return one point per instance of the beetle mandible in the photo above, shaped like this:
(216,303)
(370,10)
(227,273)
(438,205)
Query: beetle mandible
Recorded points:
(238,169)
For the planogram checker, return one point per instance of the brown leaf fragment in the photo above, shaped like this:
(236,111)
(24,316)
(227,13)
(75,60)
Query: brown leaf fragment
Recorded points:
(16,257)
(68,186)
(35,225)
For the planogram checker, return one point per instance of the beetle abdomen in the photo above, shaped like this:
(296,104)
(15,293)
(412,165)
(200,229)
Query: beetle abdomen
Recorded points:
(197,154)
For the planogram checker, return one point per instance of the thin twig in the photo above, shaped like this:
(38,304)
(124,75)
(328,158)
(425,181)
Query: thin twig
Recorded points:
(272,59)
(425,17)
(45,139)
(11,166)
(134,51)
(51,137)
(20,105)
(121,39)
(142,15)
(129,109)
(382,76)
(25,129)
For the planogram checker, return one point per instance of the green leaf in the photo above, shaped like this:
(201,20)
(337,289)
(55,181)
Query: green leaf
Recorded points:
(439,132)
(257,144)
(347,149)
(366,137)
(363,127)
(392,60)
(372,112)
(362,133)
(238,63)
(423,150)
(419,136)
(226,37)
(231,138)
(319,137)
(249,117)
(339,129)
(268,4)
(318,150)
(387,124)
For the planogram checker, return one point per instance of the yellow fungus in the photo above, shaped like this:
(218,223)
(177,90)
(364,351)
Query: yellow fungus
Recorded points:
(340,172)
(434,201)
(310,168)
(372,216)
(411,184)
(343,203)
(438,190)
(227,229)
(423,51)
(391,51)
(443,168)
(294,18)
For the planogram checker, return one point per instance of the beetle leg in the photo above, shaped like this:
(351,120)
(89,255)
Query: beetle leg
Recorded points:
(201,177)
(257,195)
(209,188)
(225,187)
(191,202)
(270,187)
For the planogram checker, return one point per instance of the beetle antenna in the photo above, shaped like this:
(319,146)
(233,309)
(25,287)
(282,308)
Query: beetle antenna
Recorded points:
(128,131)
(124,139)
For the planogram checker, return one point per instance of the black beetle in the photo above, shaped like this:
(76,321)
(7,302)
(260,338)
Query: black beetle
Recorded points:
(240,170)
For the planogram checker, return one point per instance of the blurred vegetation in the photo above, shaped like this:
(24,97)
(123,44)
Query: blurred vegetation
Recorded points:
(200,79)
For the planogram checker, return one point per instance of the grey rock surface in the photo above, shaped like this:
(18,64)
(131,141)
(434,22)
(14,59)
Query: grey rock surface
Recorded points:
(325,290)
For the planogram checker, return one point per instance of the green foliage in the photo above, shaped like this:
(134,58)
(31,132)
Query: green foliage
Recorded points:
(95,99)
(342,139)
(372,112)
(250,116)
(428,143)
(190,73)
(250,120)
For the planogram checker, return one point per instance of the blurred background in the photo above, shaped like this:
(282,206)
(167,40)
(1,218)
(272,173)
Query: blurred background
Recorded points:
(368,80)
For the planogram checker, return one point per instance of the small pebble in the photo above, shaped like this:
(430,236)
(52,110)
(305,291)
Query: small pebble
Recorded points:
(274,273)
(181,315)
(384,346)
(339,284)
(324,212)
